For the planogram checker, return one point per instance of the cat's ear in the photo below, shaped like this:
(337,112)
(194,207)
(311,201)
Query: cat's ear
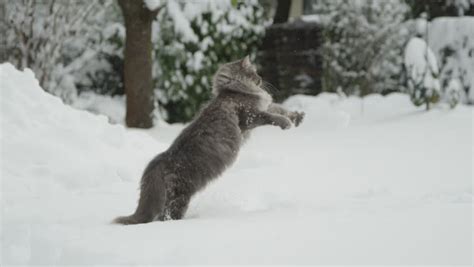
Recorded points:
(246,64)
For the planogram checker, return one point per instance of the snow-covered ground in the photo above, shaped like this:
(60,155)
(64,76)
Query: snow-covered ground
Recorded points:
(373,181)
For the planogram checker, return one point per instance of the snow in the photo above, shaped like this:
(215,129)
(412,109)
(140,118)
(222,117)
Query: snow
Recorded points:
(193,9)
(361,181)
(311,18)
(111,106)
(181,23)
(421,25)
(153,4)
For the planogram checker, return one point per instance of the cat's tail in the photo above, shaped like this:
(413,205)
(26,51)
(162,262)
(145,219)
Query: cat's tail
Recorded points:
(132,219)
(152,199)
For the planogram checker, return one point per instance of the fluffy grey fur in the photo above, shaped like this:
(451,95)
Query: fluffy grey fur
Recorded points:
(210,144)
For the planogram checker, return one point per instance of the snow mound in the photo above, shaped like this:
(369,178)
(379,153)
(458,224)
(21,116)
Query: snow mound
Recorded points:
(51,153)
(111,106)
(44,134)
(356,174)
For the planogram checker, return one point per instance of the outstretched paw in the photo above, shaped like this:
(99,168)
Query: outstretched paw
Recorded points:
(297,117)
(284,123)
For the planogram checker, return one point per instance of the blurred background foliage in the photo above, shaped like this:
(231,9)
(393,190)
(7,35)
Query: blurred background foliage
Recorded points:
(188,52)
(76,48)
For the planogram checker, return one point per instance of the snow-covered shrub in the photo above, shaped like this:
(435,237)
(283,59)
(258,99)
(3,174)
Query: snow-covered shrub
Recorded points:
(103,72)
(99,80)
(363,44)
(65,43)
(192,39)
(453,93)
(452,40)
(422,73)
(441,8)
(38,32)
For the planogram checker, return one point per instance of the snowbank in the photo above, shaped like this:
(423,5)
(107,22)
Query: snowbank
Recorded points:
(51,153)
(111,106)
(36,124)
(361,181)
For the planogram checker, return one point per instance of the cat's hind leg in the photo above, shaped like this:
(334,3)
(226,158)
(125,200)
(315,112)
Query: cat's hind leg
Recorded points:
(177,201)
(177,207)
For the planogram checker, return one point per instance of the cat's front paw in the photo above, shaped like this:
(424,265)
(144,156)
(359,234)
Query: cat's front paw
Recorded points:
(284,123)
(297,117)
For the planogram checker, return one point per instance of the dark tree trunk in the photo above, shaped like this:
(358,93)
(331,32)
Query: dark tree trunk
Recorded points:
(138,63)
(282,12)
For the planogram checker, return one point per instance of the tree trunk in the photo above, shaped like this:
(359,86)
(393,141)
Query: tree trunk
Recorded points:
(138,63)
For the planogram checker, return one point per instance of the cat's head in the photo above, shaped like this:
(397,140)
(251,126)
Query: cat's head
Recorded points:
(240,75)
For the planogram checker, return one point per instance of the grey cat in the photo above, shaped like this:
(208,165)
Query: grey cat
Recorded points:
(208,145)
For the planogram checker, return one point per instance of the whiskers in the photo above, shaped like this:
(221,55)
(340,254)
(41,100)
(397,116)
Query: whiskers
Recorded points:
(269,87)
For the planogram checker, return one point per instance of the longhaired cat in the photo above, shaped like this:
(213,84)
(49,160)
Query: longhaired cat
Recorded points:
(208,145)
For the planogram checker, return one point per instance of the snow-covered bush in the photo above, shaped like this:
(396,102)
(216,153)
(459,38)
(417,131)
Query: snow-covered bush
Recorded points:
(452,93)
(192,39)
(452,40)
(441,8)
(68,44)
(103,72)
(422,73)
(363,44)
